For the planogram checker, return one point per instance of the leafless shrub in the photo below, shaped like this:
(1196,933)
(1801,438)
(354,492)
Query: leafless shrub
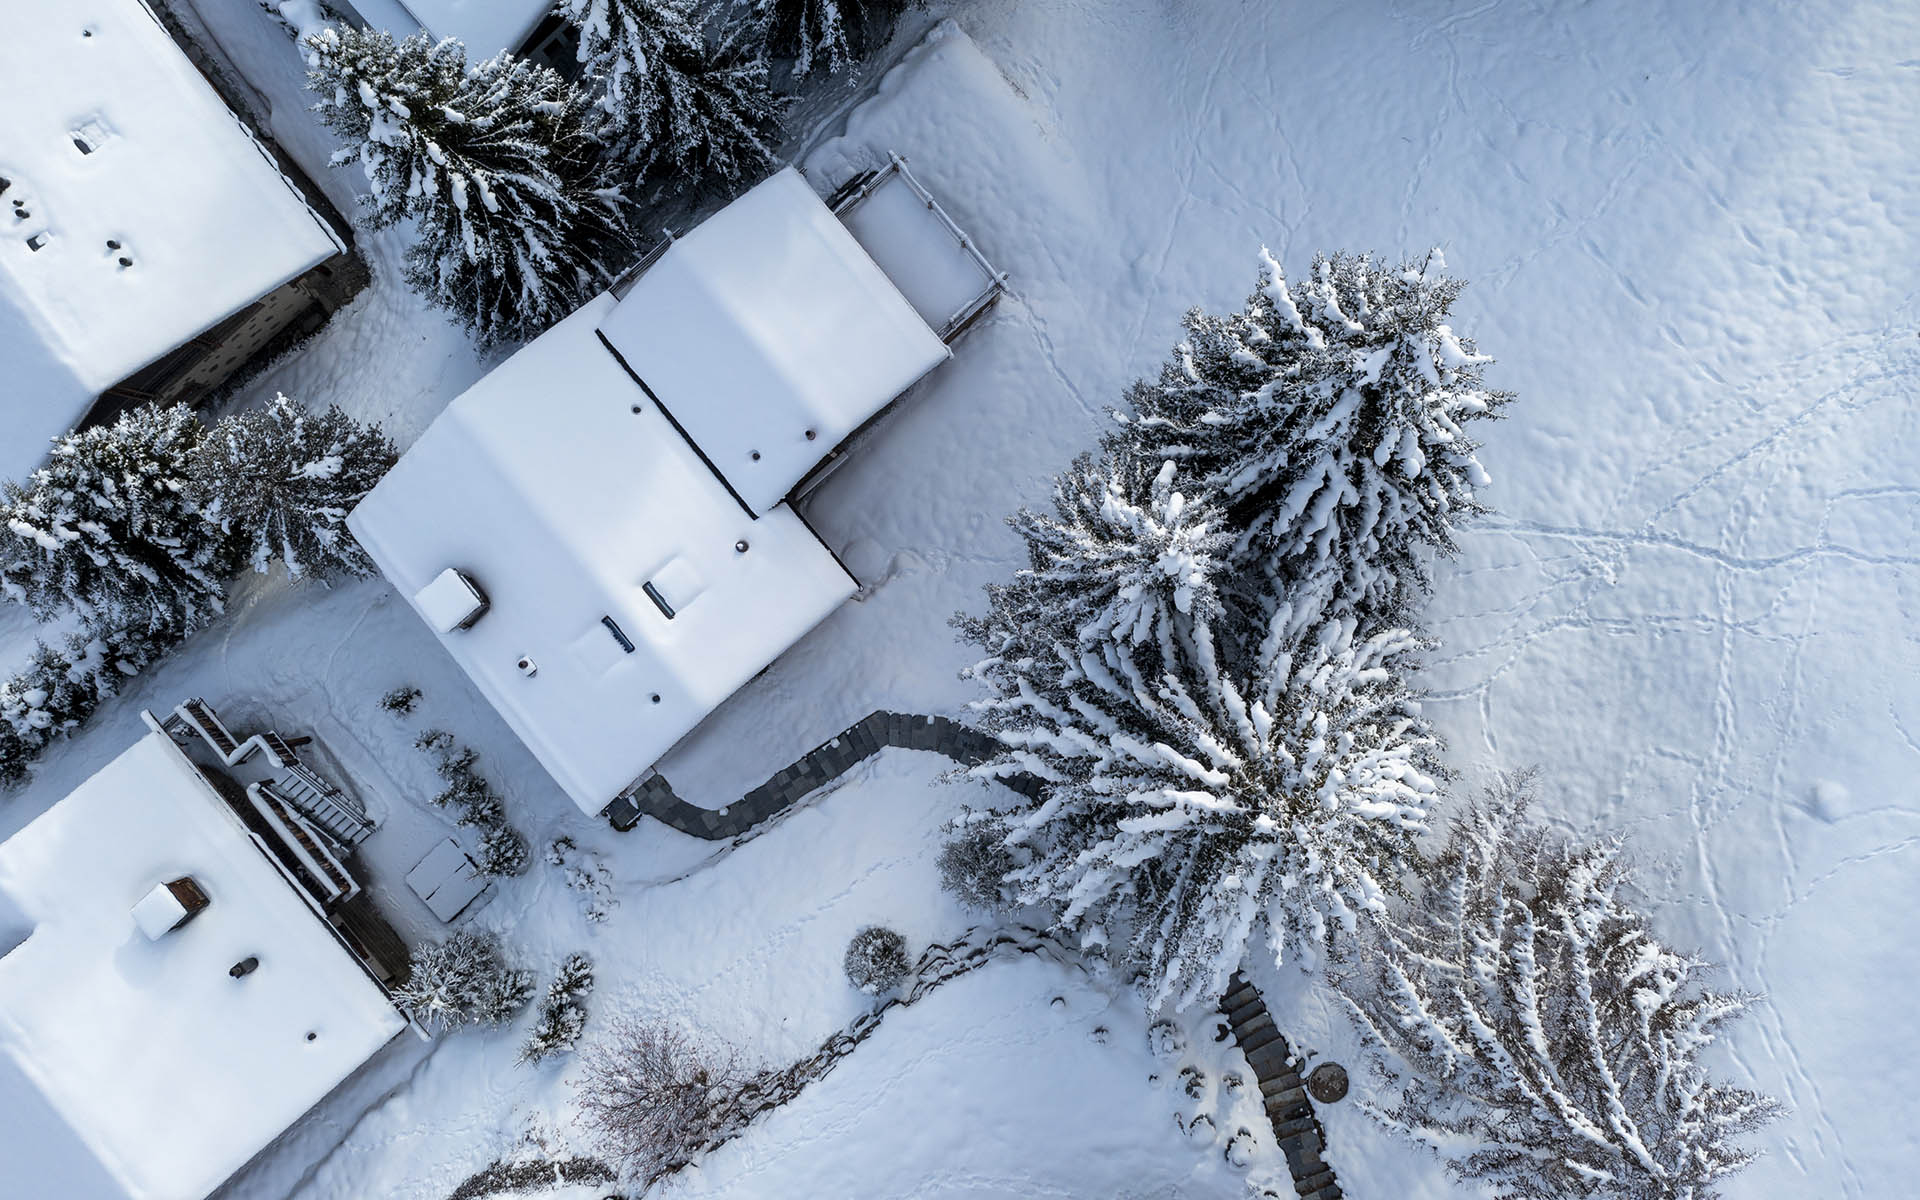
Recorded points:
(656,1099)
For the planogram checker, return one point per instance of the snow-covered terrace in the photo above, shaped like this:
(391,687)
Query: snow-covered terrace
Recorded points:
(136,211)
(139,1069)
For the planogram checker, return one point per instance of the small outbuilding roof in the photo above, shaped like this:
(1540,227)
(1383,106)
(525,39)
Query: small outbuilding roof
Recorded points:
(628,593)
(136,211)
(770,335)
(137,1068)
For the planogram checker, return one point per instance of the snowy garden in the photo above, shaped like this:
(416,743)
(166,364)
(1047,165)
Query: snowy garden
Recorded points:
(1429,529)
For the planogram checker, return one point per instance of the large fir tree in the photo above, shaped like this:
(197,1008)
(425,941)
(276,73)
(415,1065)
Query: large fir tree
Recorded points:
(675,108)
(280,481)
(106,530)
(1190,796)
(496,163)
(1330,417)
(1555,1043)
(824,35)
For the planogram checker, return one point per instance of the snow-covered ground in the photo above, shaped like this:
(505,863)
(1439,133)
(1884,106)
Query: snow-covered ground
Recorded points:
(1691,229)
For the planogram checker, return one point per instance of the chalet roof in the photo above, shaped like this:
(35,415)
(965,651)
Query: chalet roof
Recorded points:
(771,335)
(116,148)
(629,593)
(137,1069)
(486,26)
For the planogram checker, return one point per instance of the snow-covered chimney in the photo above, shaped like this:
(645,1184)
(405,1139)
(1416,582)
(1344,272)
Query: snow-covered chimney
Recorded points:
(169,906)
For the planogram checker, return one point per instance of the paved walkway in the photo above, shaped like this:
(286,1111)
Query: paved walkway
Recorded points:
(822,765)
(1288,1106)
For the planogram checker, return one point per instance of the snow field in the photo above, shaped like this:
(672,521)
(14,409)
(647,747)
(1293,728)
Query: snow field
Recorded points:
(1690,231)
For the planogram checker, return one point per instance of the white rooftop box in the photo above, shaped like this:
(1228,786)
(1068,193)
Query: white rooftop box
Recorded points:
(450,602)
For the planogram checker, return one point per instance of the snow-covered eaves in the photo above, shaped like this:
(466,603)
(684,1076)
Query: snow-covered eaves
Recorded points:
(138,211)
(137,1069)
(628,593)
(771,335)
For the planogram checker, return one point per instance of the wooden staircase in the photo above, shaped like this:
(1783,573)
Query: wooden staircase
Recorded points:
(1281,1089)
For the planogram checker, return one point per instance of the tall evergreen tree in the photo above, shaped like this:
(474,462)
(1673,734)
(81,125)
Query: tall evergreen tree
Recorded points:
(1330,416)
(281,479)
(674,107)
(1554,1042)
(823,35)
(106,530)
(496,163)
(1189,798)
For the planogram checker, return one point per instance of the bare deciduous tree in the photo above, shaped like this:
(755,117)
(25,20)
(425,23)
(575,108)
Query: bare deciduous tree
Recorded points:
(656,1098)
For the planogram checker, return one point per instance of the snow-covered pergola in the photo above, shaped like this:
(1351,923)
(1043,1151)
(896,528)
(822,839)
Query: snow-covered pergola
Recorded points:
(136,212)
(135,1064)
(599,532)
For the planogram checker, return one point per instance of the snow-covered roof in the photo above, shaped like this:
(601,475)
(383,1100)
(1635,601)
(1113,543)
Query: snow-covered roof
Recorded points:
(141,1070)
(168,180)
(558,486)
(486,26)
(771,335)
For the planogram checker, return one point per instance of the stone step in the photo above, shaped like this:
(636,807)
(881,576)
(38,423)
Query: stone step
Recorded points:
(1317,1183)
(1288,1126)
(1289,1102)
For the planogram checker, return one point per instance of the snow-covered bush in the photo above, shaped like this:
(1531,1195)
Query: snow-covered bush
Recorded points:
(497,163)
(1329,418)
(676,110)
(279,480)
(1551,1043)
(106,529)
(586,875)
(463,980)
(563,1012)
(975,861)
(825,35)
(876,960)
(503,851)
(400,701)
(655,1099)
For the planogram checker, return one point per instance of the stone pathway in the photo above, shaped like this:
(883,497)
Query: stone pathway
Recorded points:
(1285,1094)
(823,764)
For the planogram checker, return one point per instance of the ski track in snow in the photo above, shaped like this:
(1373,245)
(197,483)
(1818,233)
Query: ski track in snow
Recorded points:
(1690,231)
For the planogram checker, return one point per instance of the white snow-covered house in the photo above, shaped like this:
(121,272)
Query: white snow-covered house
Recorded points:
(600,531)
(148,243)
(170,998)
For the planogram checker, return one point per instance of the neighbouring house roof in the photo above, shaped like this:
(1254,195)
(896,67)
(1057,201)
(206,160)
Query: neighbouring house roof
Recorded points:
(169,174)
(486,26)
(559,488)
(771,335)
(137,1069)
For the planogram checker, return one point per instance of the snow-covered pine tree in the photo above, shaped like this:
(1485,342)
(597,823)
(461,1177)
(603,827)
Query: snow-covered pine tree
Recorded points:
(563,1014)
(497,163)
(463,980)
(59,690)
(279,480)
(105,529)
(675,107)
(1329,415)
(503,851)
(1190,794)
(1553,1042)
(823,34)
